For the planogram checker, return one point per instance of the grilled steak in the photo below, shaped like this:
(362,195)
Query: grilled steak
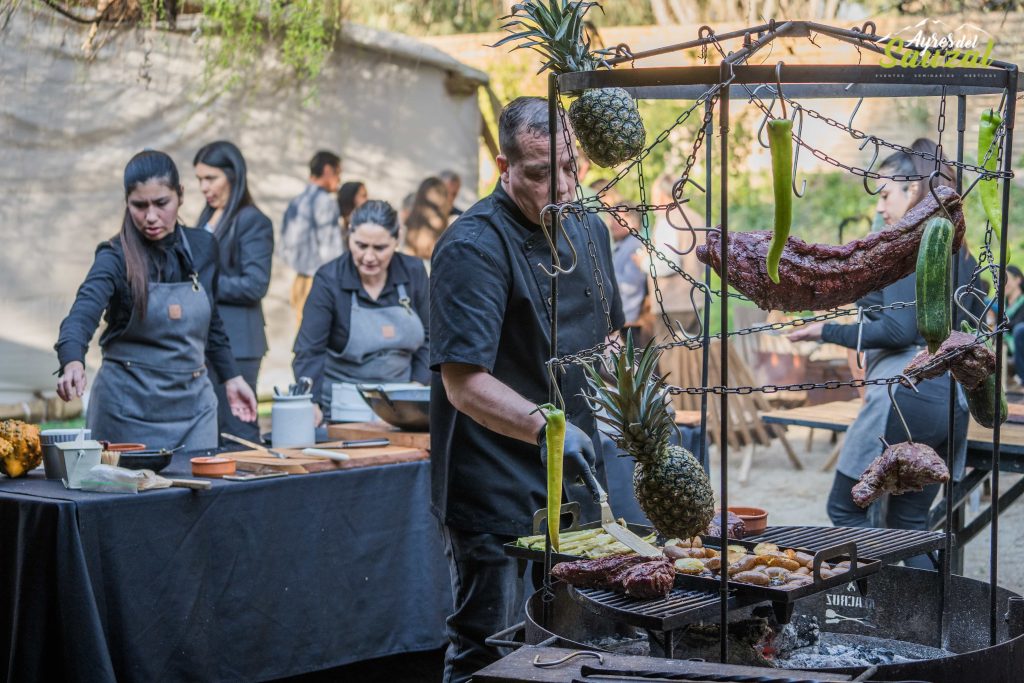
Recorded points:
(634,575)
(735,528)
(970,368)
(820,276)
(900,468)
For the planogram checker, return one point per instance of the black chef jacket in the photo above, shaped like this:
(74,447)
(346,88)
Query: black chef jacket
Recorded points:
(489,307)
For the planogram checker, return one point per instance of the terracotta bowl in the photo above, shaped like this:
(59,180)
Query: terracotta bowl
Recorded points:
(754,519)
(212,466)
(122,447)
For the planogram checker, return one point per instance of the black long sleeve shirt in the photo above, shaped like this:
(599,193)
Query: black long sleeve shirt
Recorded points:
(896,328)
(106,291)
(327,314)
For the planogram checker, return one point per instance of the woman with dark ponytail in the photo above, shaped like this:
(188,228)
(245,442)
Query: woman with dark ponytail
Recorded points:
(156,282)
(366,318)
(890,340)
(246,239)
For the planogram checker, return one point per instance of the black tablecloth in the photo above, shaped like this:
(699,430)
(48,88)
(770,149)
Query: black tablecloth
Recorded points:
(247,581)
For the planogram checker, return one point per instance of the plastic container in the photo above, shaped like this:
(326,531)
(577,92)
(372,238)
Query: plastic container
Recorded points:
(291,421)
(53,461)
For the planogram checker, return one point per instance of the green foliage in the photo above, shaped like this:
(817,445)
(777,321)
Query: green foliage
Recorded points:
(304,29)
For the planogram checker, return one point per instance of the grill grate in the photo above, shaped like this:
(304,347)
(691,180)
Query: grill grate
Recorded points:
(681,607)
(887,545)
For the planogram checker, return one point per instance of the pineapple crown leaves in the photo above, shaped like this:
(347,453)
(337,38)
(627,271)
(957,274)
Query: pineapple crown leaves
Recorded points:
(635,406)
(555,30)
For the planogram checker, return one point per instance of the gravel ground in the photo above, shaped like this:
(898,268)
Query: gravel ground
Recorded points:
(798,497)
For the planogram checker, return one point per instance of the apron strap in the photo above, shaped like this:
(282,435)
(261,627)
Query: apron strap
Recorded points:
(403,299)
(194,276)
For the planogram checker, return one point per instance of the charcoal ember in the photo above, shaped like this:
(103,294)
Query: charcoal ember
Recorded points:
(970,368)
(901,468)
(820,276)
(636,576)
(735,528)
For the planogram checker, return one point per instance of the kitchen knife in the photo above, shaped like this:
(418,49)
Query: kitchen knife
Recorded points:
(360,443)
(256,446)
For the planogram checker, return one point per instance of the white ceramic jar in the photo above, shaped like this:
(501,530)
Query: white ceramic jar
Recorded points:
(291,421)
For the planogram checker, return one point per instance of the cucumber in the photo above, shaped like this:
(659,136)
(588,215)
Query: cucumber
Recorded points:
(981,402)
(934,292)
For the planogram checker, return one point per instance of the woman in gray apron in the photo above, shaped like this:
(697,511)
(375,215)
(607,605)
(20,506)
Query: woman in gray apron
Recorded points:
(155,281)
(366,318)
(890,340)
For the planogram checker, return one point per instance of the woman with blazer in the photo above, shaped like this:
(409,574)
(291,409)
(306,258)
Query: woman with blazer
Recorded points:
(246,239)
(366,318)
(156,281)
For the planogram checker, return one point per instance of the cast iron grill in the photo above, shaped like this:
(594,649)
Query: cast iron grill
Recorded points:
(887,545)
(681,607)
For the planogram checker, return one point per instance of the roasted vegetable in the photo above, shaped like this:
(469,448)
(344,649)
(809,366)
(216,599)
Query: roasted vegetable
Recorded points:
(780,141)
(934,294)
(554,434)
(19,447)
(981,400)
(988,188)
(821,276)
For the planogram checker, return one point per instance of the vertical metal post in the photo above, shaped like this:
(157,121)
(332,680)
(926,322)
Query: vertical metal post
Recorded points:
(723,445)
(946,555)
(705,457)
(548,595)
(1011,105)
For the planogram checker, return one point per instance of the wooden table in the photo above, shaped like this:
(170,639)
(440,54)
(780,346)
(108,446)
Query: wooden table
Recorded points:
(837,416)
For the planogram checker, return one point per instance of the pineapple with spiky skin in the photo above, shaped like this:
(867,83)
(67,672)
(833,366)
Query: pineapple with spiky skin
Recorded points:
(606,121)
(671,486)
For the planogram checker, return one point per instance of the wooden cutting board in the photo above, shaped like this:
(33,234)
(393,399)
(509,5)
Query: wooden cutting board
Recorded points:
(299,463)
(352,431)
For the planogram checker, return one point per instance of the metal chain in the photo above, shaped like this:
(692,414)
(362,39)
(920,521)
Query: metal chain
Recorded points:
(646,225)
(938,362)
(860,135)
(694,344)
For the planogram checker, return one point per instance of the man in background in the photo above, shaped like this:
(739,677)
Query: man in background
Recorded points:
(310,231)
(453,182)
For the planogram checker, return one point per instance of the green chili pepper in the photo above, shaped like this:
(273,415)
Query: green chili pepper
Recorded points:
(988,188)
(780,140)
(554,435)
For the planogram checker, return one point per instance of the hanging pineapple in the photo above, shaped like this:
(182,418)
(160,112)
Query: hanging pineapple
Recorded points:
(671,486)
(606,120)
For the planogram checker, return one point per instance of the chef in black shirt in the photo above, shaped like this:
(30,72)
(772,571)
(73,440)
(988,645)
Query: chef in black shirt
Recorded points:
(489,340)
(156,281)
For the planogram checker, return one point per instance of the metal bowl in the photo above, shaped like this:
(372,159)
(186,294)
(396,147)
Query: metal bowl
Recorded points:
(154,460)
(406,408)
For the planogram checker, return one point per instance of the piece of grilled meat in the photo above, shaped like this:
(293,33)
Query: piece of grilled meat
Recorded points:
(902,467)
(636,576)
(814,277)
(970,368)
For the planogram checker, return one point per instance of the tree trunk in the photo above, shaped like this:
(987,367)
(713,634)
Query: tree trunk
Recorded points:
(661,12)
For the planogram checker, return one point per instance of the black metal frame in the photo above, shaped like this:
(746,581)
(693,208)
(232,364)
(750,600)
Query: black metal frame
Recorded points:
(806,81)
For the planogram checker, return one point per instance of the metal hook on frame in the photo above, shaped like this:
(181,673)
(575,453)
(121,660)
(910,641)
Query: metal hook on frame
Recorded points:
(874,158)
(557,263)
(764,121)
(677,192)
(778,86)
(931,188)
(979,321)
(796,152)
(860,331)
(896,406)
(853,115)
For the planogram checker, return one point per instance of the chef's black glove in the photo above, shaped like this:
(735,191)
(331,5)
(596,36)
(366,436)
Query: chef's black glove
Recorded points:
(578,462)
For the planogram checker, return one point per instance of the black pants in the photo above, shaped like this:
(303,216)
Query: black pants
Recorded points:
(488,592)
(226,422)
